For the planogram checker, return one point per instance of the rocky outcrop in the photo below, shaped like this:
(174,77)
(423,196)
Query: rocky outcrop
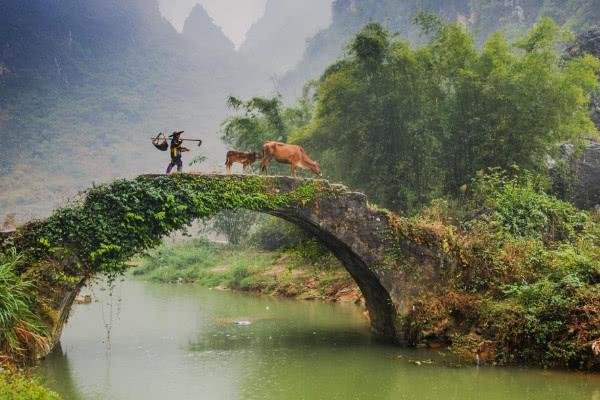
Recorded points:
(587,187)
(62,307)
(576,175)
(595,106)
(589,43)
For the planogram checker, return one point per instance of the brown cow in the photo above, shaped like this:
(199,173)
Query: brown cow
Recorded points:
(287,154)
(246,159)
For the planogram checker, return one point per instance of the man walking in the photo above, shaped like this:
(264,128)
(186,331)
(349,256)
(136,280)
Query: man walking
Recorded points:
(176,150)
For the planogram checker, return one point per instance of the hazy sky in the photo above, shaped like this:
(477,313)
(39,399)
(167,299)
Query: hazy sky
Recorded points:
(234,16)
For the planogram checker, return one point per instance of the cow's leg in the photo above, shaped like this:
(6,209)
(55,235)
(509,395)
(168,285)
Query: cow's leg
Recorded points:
(264,165)
(293,169)
(228,167)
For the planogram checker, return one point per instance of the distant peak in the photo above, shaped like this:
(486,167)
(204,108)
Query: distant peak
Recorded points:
(197,15)
(201,28)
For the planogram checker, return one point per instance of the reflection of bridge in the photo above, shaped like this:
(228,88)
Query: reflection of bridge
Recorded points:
(139,212)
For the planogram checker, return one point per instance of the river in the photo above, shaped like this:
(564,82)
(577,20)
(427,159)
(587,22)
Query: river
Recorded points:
(154,341)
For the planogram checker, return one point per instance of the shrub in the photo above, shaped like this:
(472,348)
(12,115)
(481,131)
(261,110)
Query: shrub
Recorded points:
(240,272)
(533,261)
(312,252)
(21,330)
(168,263)
(522,208)
(14,386)
(273,233)
(542,321)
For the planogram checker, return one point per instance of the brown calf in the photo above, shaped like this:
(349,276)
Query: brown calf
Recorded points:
(246,159)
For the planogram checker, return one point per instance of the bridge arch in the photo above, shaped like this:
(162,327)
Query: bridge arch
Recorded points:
(111,223)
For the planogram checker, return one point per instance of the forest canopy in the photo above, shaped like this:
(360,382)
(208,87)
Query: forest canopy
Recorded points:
(407,124)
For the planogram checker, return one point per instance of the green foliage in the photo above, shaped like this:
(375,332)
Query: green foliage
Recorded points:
(185,262)
(275,234)
(371,44)
(418,123)
(240,267)
(207,263)
(263,119)
(314,253)
(543,324)
(16,386)
(114,222)
(522,208)
(21,330)
(523,272)
(430,23)
(234,224)
(260,121)
(239,273)
(271,233)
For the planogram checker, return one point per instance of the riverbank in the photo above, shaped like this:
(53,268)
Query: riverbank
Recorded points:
(519,285)
(21,386)
(283,273)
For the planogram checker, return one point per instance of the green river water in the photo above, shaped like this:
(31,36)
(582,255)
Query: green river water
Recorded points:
(151,341)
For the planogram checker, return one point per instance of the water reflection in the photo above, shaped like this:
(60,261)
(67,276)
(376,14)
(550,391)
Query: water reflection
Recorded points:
(269,336)
(180,342)
(57,372)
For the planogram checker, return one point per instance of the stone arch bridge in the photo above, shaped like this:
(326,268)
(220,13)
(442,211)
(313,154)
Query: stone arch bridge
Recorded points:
(111,223)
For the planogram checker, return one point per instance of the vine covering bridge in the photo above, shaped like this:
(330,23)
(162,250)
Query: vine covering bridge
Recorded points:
(111,223)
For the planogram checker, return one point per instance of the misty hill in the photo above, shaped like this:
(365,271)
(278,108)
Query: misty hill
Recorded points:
(481,16)
(277,41)
(84,85)
(61,39)
(201,30)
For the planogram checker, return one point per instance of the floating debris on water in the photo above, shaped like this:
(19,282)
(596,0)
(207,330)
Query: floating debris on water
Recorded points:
(421,362)
(84,299)
(243,323)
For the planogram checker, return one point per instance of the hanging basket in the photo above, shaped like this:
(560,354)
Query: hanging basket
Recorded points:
(160,142)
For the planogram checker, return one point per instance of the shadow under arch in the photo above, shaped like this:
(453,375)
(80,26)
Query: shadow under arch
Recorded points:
(378,301)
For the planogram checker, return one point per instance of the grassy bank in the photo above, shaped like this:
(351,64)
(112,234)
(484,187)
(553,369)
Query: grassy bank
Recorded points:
(288,272)
(30,306)
(18,386)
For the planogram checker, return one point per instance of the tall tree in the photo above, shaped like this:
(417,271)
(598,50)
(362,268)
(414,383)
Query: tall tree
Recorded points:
(408,124)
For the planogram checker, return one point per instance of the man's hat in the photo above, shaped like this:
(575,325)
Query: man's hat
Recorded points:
(176,133)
